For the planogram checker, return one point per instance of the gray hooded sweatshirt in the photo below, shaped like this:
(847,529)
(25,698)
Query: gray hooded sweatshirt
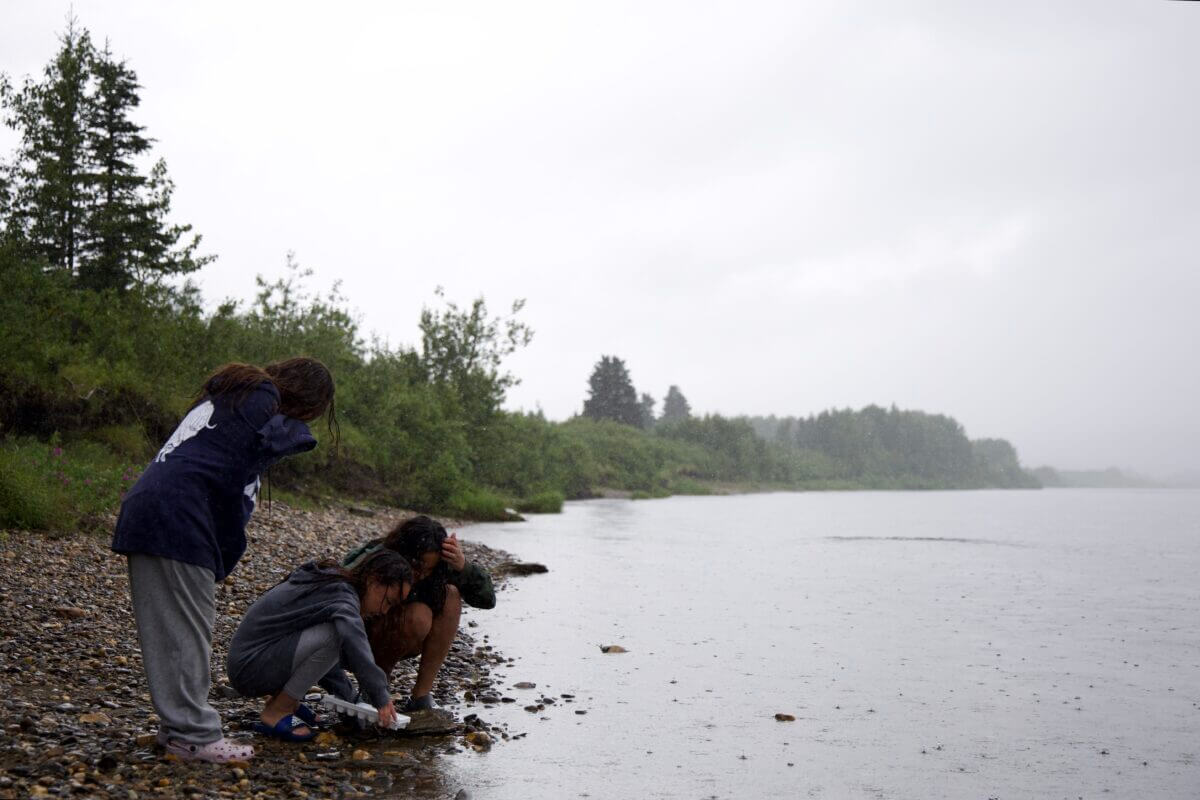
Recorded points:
(261,652)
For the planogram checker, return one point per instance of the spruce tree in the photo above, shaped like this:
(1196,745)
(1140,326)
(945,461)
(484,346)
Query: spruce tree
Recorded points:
(647,404)
(114,143)
(611,394)
(74,196)
(48,199)
(675,406)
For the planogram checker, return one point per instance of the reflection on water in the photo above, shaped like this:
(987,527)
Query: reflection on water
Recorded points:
(1065,666)
(957,539)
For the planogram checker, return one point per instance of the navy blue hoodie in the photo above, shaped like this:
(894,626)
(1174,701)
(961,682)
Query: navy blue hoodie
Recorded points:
(193,502)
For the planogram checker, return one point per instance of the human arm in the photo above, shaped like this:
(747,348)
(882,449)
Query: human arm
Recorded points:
(283,436)
(356,654)
(337,683)
(474,585)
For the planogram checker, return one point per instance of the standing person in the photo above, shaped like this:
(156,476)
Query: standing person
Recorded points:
(300,630)
(427,622)
(183,527)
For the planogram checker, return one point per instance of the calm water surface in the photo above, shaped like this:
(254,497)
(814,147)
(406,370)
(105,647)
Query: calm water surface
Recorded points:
(930,645)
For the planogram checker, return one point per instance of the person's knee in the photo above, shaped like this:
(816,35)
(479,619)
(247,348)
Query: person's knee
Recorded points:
(322,642)
(418,621)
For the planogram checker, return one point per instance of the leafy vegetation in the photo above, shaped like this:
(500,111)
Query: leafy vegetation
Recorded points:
(102,349)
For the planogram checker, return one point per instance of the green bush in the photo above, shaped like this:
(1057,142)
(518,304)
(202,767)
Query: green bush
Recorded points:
(548,502)
(27,499)
(61,486)
(477,504)
(127,441)
(689,486)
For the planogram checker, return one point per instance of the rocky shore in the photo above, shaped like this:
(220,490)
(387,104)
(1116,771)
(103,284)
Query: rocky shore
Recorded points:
(76,718)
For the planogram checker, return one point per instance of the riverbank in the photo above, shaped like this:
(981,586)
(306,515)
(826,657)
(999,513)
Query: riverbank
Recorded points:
(75,715)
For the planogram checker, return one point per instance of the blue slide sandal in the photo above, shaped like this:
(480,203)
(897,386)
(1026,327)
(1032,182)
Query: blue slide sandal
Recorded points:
(285,729)
(308,715)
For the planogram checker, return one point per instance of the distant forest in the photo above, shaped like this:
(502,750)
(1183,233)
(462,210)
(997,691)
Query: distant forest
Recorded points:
(893,448)
(104,340)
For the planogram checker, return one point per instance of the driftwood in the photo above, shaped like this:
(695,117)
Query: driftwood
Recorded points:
(519,568)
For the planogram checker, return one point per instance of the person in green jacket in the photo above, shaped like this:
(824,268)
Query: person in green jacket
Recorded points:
(426,623)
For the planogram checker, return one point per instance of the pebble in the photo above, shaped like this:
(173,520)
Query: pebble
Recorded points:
(77,717)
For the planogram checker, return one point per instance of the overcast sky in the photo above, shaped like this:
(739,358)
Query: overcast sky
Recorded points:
(986,210)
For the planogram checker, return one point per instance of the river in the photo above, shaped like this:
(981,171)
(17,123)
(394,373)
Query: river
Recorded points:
(994,644)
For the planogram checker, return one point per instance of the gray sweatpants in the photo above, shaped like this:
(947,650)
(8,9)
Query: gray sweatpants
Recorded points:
(293,663)
(174,604)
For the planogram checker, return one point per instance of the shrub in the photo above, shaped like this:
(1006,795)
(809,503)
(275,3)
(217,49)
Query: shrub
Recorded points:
(55,486)
(548,502)
(27,500)
(477,504)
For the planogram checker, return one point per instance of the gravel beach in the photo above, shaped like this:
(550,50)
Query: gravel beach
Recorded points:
(77,720)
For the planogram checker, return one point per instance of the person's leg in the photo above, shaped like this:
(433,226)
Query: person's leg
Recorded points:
(317,651)
(413,630)
(174,605)
(436,645)
(399,635)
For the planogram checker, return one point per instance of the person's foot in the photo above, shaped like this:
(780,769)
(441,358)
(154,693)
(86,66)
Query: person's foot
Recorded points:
(288,729)
(219,752)
(422,703)
(300,731)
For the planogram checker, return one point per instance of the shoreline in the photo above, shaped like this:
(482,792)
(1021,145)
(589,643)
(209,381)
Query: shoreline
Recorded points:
(76,718)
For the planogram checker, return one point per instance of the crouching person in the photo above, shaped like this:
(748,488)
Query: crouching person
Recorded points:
(425,626)
(301,631)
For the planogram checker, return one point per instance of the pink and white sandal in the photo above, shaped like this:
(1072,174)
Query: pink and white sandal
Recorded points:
(218,752)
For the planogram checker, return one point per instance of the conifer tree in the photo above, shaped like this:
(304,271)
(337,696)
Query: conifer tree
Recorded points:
(611,394)
(647,404)
(74,196)
(675,406)
(114,142)
(47,206)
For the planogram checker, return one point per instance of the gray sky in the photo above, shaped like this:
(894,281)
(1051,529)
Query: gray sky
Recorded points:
(986,210)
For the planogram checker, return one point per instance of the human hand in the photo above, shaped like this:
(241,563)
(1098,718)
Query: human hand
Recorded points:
(387,715)
(452,553)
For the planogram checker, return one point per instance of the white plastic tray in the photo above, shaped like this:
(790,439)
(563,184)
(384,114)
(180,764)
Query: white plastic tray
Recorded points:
(364,711)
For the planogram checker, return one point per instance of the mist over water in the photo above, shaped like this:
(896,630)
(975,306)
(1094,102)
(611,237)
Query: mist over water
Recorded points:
(940,644)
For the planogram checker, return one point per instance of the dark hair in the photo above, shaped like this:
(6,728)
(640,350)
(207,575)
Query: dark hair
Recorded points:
(382,566)
(305,387)
(413,538)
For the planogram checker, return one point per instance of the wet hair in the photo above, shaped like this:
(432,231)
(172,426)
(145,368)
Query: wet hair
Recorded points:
(413,538)
(305,387)
(382,566)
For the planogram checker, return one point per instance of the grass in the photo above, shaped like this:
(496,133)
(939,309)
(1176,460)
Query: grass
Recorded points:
(548,502)
(60,487)
(477,504)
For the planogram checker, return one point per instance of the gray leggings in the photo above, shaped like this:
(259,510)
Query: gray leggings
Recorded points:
(317,652)
(292,664)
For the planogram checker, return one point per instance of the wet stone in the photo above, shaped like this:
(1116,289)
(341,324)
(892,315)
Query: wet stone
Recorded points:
(77,713)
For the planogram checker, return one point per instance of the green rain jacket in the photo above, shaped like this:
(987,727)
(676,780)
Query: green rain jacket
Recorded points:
(473,582)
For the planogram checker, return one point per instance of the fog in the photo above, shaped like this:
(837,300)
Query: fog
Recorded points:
(984,211)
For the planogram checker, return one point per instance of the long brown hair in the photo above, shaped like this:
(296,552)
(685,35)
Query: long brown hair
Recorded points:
(386,567)
(305,387)
(412,539)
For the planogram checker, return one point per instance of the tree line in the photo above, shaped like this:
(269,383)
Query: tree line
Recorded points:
(871,447)
(103,342)
(75,196)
